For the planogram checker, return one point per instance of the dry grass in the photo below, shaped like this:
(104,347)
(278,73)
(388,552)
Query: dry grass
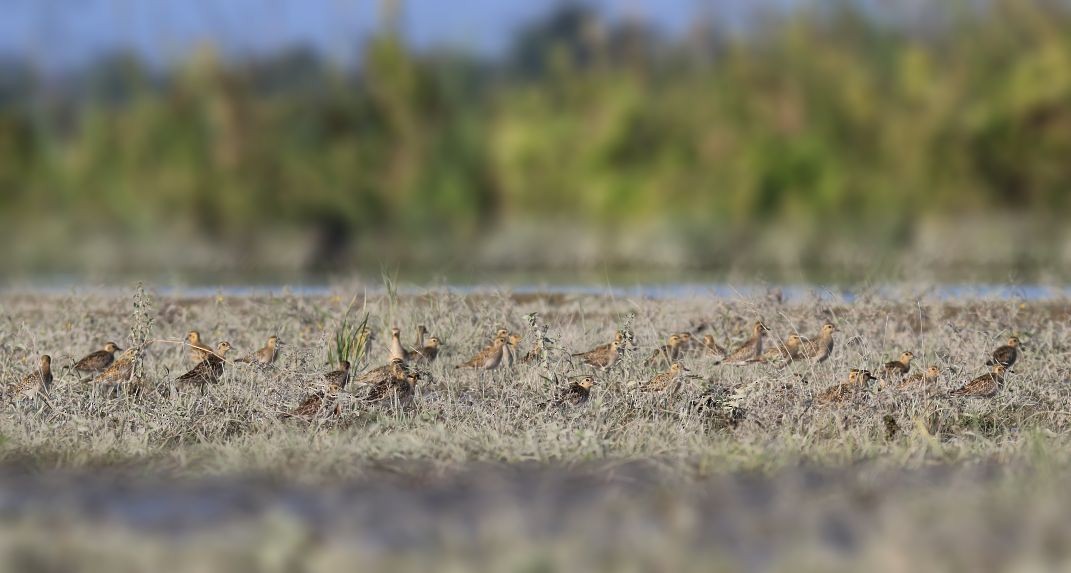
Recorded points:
(496,419)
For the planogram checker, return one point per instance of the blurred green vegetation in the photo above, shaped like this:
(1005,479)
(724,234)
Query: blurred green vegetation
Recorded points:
(829,117)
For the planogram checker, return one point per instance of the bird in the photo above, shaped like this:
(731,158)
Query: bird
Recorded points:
(396,350)
(602,357)
(899,368)
(921,379)
(265,356)
(857,379)
(336,380)
(99,361)
(394,369)
(427,353)
(821,348)
(711,347)
(750,350)
(668,352)
(1007,354)
(333,383)
(209,370)
(789,350)
(119,371)
(687,342)
(489,358)
(198,351)
(575,393)
(394,387)
(619,338)
(669,379)
(36,382)
(985,386)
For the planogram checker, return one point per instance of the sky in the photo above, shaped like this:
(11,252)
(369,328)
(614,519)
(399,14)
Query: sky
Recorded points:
(58,34)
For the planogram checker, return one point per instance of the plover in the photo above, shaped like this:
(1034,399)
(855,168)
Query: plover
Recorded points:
(668,380)
(98,361)
(821,348)
(857,380)
(36,382)
(602,357)
(198,350)
(207,371)
(265,356)
(899,368)
(751,350)
(666,353)
(576,393)
(985,386)
(1006,355)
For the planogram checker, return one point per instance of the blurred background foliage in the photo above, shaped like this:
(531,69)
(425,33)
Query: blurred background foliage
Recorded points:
(819,133)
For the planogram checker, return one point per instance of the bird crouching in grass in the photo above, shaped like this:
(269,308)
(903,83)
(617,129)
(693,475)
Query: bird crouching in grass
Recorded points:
(97,362)
(207,371)
(1006,355)
(987,385)
(36,383)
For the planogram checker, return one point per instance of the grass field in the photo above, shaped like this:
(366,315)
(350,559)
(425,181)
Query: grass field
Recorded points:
(476,473)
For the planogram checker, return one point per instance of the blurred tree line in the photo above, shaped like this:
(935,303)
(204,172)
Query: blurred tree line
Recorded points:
(830,116)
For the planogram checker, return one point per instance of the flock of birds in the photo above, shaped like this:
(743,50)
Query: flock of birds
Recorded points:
(397,379)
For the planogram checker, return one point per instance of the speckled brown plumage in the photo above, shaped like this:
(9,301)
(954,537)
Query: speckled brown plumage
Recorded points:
(985,386)
(98,361)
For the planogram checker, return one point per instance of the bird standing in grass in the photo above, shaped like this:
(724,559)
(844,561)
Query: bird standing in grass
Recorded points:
(207,371)
(36,382)
(198,350)
(265,356)
(899,368)
(668,380)
(489,358)
(427,353)
(857,380)
(602,357)
(750,350)
(119,372)
(98,361)
(1007,354)
(820,349)
(985,386)
(666,353)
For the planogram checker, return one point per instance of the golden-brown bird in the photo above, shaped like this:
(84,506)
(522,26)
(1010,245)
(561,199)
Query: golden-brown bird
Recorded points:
(899,368)
(668,380)
(751,350)
(38,381)
(98,361)
(489,358)
(1007,354)
(666,353)
(985,386)
(602,357)
(198,350)
(819,349)
(266,355)
(576,393)
(428,353)
(207,371)
(846,391)
(921,380)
